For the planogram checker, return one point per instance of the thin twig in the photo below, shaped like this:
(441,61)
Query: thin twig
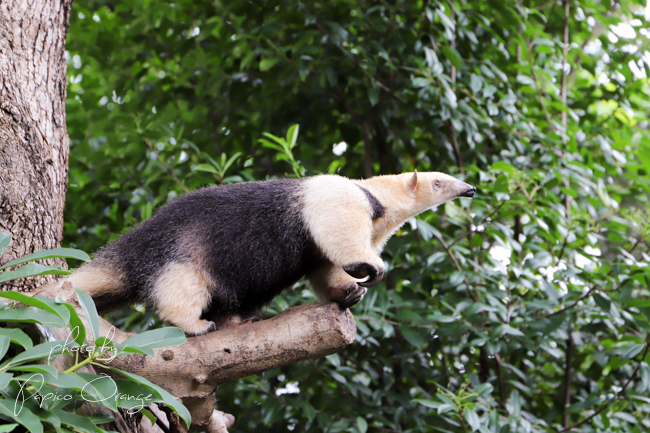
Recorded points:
(566,401)
(559,256)
(568,307)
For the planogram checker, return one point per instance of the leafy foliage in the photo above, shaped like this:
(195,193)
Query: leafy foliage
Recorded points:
(524,309)
(33,393)
(34,268)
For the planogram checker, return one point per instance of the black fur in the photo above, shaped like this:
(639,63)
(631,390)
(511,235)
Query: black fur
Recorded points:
(378,209)
(249,236)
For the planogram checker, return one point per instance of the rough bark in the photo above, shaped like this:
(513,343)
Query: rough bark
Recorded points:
(33,136)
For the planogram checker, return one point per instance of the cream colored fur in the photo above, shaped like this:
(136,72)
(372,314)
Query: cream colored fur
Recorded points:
(338,216)
(346,233)
(96,281)
(182,293)
(403,203)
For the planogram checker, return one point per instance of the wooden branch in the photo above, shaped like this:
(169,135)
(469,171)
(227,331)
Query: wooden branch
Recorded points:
(308,331)
(192,371)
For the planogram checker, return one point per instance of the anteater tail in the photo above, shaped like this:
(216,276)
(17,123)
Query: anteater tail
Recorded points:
(103,284)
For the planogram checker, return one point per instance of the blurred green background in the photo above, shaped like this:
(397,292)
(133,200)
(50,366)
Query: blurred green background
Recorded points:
(524,309)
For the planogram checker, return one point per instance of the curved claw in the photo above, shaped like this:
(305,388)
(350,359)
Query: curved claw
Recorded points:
(372,281)
(363,270)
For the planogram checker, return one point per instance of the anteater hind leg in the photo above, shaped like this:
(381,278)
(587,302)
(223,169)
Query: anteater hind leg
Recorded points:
(332,284)
(181,294)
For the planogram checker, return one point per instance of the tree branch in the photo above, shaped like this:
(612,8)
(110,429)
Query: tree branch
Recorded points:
(193,370)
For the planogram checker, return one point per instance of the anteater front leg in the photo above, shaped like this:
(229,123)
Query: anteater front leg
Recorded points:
(332,284)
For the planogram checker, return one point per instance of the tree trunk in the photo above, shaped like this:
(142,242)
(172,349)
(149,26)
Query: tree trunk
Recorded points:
(33,136)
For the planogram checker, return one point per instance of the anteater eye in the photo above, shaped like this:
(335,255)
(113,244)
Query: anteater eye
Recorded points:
(437,184)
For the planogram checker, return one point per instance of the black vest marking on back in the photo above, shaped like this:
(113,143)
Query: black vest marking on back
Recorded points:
(250,237)
(378,209)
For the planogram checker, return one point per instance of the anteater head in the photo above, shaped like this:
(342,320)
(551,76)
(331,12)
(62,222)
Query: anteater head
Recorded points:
(432,188)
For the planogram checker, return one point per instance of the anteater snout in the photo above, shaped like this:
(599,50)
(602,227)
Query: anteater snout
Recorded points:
(469,192)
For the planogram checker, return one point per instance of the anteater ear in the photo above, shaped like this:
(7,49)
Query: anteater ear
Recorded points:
(413,182)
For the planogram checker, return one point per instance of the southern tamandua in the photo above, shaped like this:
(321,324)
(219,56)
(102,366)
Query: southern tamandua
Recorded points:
(217,255)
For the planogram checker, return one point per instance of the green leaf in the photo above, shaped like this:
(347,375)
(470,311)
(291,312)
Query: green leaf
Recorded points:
(133,395)
(68,253)
(505,168)
(101,388)
(17,336)
(266,64)
(151,417)
(266,143)
(43,350)
(631,351)
(453,56)
(507,329)
(427,231)
(446,407)
(32,270)
(231,160)
(426,402)
(79,423)
(24,417)
(362,425)
(373,95)
(77,328)
(154,339)
(525,80)
(70,381)
(36,368)
(602,302)
(472,419)
(501,184)
(5,240)
(207,168)
(484,389)
(8,427)
(102,418)
(413,337)
(90,310)
(5,378)
(37,301)
(166,397)
(31,315)
(292,135)
(4,345)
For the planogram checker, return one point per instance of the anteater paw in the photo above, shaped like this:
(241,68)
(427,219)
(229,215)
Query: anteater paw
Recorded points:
(347,294)
(204,327)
